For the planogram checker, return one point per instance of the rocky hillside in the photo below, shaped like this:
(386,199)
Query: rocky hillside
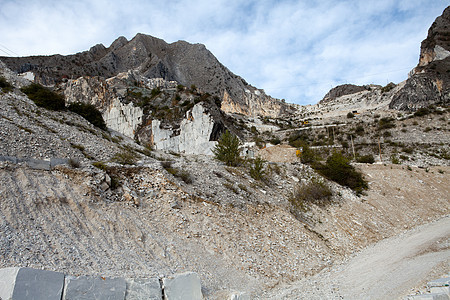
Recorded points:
(429,82)
(118,209)
(143,197)
(187,64)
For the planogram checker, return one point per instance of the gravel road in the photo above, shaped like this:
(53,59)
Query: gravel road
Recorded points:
(390,269)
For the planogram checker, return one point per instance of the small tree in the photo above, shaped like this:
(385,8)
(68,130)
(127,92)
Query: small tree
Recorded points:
(227,149)
(257,168)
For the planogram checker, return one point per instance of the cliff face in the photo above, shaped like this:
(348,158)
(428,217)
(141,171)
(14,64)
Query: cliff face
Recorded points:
(429,82)
(188,64)
(153,111)
(437,44)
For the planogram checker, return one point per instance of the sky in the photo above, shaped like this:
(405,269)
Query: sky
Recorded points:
(294,50)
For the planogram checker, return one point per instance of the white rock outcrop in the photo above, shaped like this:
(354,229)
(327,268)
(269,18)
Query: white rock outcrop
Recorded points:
(193,137)
(124,118)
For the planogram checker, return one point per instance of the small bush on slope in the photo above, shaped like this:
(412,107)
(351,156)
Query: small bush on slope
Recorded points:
(89,112)
(44,97)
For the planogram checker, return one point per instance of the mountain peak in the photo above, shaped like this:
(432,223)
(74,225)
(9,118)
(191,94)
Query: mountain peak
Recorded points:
(119,42)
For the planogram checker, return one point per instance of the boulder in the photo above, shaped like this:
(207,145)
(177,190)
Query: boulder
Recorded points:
(148,288)
(182,286)
(27,283)
(99,288)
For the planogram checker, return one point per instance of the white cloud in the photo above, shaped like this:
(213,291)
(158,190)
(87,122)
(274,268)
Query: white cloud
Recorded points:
(296,50)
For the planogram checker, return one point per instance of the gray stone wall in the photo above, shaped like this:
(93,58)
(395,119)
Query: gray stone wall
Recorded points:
(38,164)
(28,283)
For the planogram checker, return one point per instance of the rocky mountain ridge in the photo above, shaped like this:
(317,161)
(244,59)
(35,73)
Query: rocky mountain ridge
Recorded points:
(188,64)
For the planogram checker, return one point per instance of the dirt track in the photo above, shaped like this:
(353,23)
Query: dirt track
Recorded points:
(391,269)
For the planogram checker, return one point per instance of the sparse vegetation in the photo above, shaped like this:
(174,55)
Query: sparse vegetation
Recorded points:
(422,112)
(231,187)
(125,158)
(338,169)
(5,86)
(74,163)
(257,171)
(388,87)
(386,123)
(89,112)
(182,174)
(44,97)
(100,165)
(394,159)
(367,159)
(315,192)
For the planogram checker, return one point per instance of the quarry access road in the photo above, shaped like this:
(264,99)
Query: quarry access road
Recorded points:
(391,269)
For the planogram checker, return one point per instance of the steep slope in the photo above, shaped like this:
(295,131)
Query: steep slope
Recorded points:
(188,64)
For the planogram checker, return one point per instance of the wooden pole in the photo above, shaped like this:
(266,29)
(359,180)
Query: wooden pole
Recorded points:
(353,147)
(333,135)
(379,147)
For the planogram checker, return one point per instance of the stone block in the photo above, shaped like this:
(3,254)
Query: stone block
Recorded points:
(38,164)
(12,159)
(432,296)
(58,161)
(439,282)
(31,284)
(440,289)
(145,288)
(98,288)
(182,286)
(7,282)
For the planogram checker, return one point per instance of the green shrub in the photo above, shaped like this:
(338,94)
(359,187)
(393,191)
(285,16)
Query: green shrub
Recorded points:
(422,112)
(386,123)
(367,159)
(5,86)
(227,149)
(338,169)
(315,192)
(308,155)
(100,165)
(388,87)
(257,169)
(408,150)
(359,130)
(74,163)
(275,141)
(394,159)
(155,92)
(125,158)
(182,174)
(350,115)
(89,112)
(44,97)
